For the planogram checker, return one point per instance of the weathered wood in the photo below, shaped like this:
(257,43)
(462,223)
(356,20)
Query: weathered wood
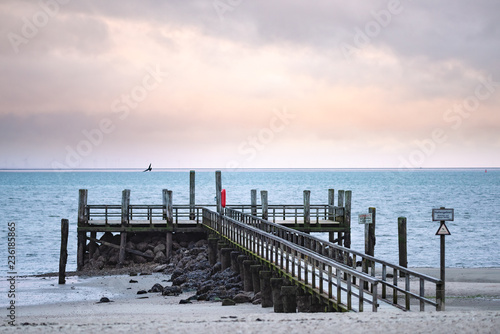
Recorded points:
(265,288)
(168,245)
(247,276)
(123,242)
(265,204)
(192,201)
(347,218)
(307,207)
(255,269)
(370,234)
(253,201)
(125,206)
(289,296)
(82,205)
(276,284)
(92,245)
(331,203)
(63,255)
(225,258)
(218,189)
(402,244)
(340,203)
(80,252)
(128,250)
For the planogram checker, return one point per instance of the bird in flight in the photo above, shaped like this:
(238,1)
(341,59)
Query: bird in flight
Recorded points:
(148,169)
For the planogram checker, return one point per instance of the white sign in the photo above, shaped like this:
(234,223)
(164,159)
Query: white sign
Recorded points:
(365,218)
(442,214)
(443,230)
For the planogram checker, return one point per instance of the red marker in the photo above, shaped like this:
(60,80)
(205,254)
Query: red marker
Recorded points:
(223,198)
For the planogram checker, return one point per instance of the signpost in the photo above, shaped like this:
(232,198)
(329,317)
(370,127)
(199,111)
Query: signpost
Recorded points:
(442,215)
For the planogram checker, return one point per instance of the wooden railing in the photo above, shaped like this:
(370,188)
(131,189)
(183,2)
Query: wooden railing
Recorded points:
(370,265)
(152,214)
(295,213)
(327,277)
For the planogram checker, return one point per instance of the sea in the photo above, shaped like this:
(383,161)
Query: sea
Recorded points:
(32,204)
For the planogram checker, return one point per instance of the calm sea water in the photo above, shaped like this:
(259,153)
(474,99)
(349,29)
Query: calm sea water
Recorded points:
(37,201)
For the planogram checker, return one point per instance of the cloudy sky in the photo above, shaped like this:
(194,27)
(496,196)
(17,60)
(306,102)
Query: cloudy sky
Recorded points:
(240,83)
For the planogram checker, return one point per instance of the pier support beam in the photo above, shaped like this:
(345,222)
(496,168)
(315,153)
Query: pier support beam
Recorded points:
(253,202)
(331,203)
(225,258)
(212,249)
(255,269)
(192,201)
(264,203)
(247,276)
(168,245)
(402,245)
(289,296)
(347,237)
(276,284)
(82,221)
(303,301)
(340,203)
(265,289)
(307,208)
(218,189)
(123,242)
(234,262)
(63,256)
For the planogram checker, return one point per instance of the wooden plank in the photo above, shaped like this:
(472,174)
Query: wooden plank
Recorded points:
(192,193)
(129,250)
(63,256)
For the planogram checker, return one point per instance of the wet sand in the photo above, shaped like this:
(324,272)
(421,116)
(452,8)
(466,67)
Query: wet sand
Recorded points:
(472,306)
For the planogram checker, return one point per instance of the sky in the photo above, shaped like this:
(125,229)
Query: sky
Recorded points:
(249,84)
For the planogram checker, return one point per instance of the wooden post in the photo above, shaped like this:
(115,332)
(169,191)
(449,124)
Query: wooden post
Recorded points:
(123,242)
(253,200)
(265,288)
(192,199)
(340,203)
(347,218)
(276,284)
(125,222)
(403,250)
(331,203)
(255,269)
(125,206)
(247,276)
(289,296)
(218,189)
(370,234)
(168,245)
(265,206)
(82,220)
(307,208)
(63,256)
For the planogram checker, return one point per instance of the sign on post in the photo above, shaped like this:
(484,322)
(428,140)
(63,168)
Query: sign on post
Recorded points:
(443,215)
(365,218)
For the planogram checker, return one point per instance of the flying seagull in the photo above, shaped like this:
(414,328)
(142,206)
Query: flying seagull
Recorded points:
(148,169)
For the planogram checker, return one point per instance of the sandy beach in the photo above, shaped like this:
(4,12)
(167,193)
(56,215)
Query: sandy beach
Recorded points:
(472,305)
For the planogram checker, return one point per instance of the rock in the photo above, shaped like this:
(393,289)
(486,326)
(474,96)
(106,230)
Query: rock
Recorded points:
(149,254)
(132,273)
(142,246)
(176,274)
(133,281)
(241,298)
(171,291)
(160,258)
(107,236)
(185,301)
(159,248)
(141,292)
(156,288)
(228,302)
(130,245)
(139,259)
(104,300)
(179,280)
(159,268)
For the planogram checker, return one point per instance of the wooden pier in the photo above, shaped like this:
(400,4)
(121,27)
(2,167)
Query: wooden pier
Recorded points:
(277,237)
